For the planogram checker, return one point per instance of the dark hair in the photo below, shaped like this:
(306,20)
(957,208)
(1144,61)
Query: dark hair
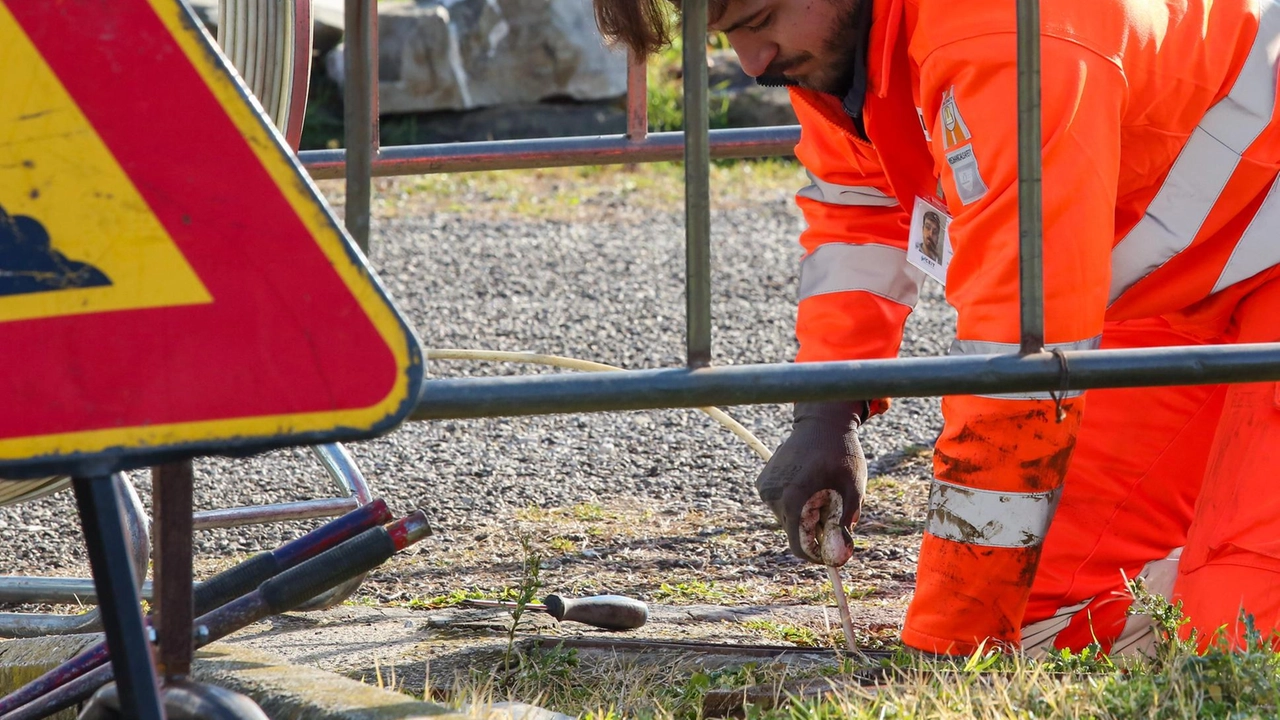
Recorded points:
(935,218)
(644,26)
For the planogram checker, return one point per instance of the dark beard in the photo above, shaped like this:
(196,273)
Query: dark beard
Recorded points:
(841,46)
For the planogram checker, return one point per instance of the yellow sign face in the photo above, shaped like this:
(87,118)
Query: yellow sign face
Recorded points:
(62,177)
(171,282)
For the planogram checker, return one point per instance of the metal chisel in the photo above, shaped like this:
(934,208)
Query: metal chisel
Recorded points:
(610,612)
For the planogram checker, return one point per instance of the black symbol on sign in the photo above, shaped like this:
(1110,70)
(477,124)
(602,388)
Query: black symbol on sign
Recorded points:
(29,264)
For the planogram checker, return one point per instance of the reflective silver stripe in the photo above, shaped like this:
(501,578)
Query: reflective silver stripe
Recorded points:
(1257,249)
(1038,637)
(989,518)
(979,347)
(877,269)
(1204,165)
(833,194)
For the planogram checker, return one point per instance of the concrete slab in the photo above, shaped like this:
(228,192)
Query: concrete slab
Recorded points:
(22,661)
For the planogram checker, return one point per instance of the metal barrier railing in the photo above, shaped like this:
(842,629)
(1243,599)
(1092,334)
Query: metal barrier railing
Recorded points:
(1032,369)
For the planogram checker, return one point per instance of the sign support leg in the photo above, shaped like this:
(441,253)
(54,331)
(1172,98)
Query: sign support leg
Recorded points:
(171,491)
(118,599)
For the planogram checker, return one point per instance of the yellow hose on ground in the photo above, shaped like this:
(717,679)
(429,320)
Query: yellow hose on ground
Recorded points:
(569,363)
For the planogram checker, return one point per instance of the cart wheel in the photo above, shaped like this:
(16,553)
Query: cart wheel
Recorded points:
(183,700)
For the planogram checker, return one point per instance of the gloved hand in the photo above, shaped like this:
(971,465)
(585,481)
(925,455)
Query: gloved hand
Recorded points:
(815,481)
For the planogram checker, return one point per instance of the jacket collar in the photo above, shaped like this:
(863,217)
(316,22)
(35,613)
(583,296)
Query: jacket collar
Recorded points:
(855,97)
(886,21)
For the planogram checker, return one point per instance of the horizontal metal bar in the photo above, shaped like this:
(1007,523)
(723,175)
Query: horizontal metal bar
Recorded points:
(17,589)
(259,514)
(908,377)
(32,625)
(554,152)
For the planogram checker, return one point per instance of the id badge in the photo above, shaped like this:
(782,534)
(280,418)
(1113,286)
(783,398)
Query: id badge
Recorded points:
(929,243)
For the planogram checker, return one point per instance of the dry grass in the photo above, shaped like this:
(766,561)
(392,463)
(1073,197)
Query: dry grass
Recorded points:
(988,686)
(575,194)
(1175,682)
(662,553)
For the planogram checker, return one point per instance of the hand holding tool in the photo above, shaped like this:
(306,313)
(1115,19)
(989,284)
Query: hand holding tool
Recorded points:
(610,612)
(814,483)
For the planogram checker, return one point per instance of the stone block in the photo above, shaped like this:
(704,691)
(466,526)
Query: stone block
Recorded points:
(466,54)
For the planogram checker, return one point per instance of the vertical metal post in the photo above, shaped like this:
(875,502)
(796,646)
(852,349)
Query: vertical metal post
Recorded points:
(118,601)
(375,115)
(171,490)
(1030,221)
(357,114)
(637,98)
(697,192)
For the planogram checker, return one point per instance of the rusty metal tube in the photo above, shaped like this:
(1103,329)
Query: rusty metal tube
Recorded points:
(358,114)
(554,152)
(637,98)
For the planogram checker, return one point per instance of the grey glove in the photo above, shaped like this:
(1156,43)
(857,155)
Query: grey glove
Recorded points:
(815,481)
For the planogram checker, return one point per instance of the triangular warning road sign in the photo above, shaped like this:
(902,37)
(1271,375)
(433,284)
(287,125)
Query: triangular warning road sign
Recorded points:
(170,281)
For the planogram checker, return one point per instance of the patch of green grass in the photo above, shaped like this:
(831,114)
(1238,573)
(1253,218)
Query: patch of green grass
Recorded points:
(322,123)
(801,636)
(582,512)
(883,483)
(819,593)
(696,591)
(457,597)
(590,512)
(562,544)
(666,93)
(573,193)
(533,513)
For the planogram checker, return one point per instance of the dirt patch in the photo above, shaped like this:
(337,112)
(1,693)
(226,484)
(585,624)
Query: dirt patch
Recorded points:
(709,577)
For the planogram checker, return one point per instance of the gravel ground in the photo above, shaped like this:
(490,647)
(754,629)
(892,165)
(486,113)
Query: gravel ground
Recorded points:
(604,282)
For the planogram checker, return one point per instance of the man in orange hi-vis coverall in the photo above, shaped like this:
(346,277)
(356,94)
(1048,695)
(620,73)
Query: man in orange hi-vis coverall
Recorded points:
(1161,148)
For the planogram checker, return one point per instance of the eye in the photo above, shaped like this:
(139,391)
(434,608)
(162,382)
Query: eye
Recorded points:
(760,23)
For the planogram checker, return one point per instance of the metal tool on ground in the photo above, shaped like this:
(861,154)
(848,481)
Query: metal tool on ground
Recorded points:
(846,619)
(608,612)
(281,593)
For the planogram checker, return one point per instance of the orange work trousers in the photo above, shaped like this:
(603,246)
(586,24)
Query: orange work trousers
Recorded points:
(1166,467)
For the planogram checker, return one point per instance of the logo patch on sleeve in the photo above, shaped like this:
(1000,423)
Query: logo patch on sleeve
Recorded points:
(959,151)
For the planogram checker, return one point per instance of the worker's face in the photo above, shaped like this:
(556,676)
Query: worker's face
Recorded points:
(810,42)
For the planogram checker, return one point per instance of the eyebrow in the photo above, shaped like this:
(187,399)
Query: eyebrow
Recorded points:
(741,22)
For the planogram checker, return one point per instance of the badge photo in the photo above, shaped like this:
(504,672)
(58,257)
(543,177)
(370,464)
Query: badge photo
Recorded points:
(929,244)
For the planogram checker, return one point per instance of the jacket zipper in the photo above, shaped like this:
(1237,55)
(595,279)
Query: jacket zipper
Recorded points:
(844,123)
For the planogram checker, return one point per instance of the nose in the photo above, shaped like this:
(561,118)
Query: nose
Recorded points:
(754,54)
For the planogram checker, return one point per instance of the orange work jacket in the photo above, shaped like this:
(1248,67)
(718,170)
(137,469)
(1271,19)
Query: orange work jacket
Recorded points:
(1159,148)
